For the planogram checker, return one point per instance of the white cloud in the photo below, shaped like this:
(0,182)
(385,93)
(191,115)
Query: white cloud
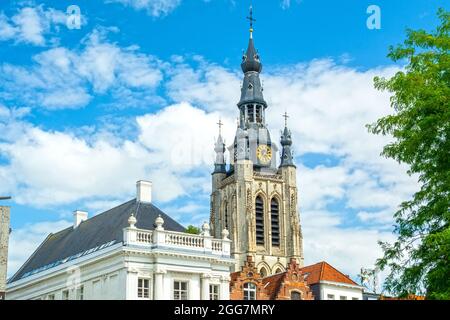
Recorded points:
(154,8)
(320,186)
(347,249)
(49,168)
(61,78)
(211,87)
(31,24)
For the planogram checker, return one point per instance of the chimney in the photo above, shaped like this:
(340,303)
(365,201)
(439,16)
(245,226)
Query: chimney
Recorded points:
(144,191)
(79,217)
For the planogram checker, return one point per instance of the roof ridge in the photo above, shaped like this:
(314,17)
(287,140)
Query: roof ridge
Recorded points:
(340,272)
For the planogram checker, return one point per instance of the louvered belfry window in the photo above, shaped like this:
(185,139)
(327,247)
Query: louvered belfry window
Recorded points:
(226,217)
(275,220)
(259,213)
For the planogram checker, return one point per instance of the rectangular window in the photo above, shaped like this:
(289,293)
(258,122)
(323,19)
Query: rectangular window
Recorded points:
(51,297)
(343,298)
(180,290)
(355,298)
(143,288)
(249,291)
(80,293)
(330,297)
(65,295)
(213,292)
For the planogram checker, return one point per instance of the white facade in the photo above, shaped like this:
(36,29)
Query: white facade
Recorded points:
(339,291)
(149,265)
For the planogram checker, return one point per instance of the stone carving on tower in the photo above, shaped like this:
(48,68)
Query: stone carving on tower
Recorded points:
(262,217)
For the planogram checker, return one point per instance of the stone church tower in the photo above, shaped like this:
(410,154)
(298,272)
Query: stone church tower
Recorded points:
(253,198)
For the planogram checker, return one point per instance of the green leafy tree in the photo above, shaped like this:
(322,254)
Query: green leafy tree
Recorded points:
(192,230)
(419,260)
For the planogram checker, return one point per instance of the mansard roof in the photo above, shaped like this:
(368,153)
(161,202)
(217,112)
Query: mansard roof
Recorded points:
(323,271)
(102,229)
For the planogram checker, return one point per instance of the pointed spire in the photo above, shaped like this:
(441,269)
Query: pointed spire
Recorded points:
(286,141)
(219,148)
(251,90)
(250,60)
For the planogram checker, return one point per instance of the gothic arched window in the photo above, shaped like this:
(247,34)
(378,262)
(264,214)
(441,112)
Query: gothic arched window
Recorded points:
(263,272)
(226,216)
(259,214)
(275,221)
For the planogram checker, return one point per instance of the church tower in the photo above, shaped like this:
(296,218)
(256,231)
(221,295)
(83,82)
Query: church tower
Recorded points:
(254,198)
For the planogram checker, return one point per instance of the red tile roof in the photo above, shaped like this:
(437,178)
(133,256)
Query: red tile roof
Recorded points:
(322,271)
(273,283)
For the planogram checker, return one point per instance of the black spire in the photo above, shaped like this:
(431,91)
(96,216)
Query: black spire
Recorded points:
(250,60)
(286,141)
(252,90)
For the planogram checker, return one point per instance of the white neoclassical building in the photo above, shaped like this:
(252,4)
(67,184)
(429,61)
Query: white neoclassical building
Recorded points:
(133,251)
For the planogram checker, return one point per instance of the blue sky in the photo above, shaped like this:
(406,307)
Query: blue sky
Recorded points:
(86,112)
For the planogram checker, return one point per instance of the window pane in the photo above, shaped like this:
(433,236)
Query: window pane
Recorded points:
(180,291)
(213,292)
(143,288)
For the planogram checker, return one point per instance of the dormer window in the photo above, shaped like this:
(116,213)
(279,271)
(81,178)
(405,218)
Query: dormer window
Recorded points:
(250,86)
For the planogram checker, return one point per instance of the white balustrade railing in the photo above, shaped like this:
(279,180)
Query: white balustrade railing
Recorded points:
(217,245)
(174,240)
(185,240)
(144,236)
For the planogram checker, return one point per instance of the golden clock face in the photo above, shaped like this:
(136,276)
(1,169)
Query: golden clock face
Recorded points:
(264,153)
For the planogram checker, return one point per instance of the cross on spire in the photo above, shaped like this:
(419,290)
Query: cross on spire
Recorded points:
(285,116)
(220,123)
(250,18)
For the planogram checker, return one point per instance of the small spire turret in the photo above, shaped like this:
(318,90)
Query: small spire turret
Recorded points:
(286,142)
(219,148)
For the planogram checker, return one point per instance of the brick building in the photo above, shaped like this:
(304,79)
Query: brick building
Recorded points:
(249,284)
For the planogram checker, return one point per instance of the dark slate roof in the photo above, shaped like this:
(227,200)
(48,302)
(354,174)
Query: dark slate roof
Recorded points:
(96,231)
(251,61)
(252,90)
